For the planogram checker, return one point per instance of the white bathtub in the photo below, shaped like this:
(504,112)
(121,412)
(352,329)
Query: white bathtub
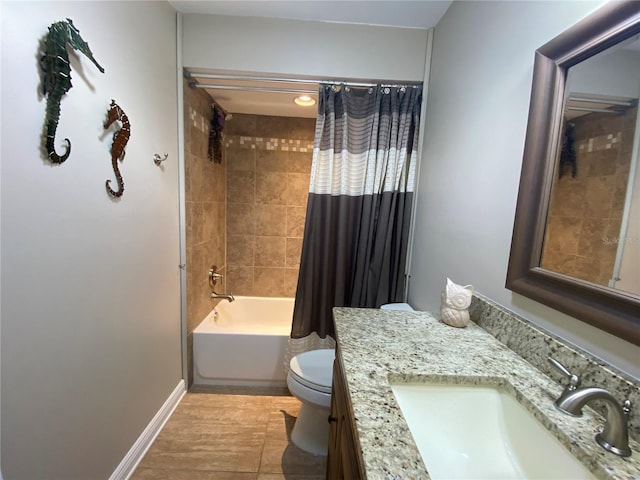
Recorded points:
(243,342)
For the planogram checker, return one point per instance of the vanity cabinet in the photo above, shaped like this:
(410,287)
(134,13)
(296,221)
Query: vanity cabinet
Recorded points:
(344,461)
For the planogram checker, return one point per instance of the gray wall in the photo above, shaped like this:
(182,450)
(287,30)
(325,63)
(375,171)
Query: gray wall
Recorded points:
(90,286)
(476,119)
(294,47)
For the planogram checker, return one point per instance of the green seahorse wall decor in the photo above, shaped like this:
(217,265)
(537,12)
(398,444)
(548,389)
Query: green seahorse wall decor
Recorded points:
(56,78)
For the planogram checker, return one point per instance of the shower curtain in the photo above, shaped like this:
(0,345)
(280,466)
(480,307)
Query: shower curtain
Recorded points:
(362,177)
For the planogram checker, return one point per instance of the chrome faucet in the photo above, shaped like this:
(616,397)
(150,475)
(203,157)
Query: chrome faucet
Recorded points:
(222,296)
(214,276)
(615,434)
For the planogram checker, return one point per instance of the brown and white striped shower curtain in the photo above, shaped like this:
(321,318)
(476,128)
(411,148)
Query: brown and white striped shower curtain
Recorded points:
(358,214)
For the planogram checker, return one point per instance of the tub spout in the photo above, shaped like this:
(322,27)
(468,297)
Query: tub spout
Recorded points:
(222,296)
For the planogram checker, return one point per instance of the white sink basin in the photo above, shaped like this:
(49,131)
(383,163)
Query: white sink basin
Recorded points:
(475,432)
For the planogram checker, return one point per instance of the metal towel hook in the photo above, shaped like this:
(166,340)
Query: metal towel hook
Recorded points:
(157,159)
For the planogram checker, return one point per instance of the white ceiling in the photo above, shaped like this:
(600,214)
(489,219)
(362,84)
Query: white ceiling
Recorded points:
(399,13)
(258,102)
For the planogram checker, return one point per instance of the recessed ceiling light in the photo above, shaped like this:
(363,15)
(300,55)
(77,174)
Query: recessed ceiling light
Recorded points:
(304,101)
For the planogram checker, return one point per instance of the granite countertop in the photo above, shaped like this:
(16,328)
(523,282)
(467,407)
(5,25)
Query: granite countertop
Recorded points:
(376,346)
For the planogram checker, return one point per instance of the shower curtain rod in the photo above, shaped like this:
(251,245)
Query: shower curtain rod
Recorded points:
(222,76)
(253,89)
(606,101)
(596,110)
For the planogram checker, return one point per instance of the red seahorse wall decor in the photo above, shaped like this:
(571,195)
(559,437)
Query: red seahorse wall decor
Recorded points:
(120,139)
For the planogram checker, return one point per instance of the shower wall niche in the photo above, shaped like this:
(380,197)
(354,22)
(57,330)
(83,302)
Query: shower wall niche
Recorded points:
(268,161)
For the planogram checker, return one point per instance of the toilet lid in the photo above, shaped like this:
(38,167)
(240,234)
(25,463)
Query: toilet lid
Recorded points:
(397,306)
(314,369)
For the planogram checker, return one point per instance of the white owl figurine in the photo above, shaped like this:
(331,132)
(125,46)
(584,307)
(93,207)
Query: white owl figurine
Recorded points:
(455,303)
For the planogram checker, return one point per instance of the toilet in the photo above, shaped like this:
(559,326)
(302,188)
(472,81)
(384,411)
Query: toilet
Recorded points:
(397,306)
(309,380)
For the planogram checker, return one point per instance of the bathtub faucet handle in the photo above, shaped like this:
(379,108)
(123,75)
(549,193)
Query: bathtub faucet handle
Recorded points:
(214,276)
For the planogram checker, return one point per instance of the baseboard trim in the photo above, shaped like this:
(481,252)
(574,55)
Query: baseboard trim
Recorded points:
(140,447)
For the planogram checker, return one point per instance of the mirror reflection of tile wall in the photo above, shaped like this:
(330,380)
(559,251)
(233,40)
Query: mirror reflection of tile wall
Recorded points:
(268,167)
(585,215)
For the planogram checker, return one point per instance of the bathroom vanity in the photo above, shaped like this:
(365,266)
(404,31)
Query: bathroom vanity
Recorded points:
(377,349)
(344,459)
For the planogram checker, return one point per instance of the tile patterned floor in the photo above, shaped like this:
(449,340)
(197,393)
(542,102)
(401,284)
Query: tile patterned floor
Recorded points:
(238,435)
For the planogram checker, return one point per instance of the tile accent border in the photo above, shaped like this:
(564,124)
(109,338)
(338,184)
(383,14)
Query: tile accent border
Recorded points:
(601,142)
(198,120)
(146,438)
(262,143)
(535,345)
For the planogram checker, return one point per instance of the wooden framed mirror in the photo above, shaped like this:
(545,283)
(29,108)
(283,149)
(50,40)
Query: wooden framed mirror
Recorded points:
(570,239)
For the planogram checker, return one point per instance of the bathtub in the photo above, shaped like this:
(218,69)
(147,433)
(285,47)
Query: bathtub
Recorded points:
(243,343)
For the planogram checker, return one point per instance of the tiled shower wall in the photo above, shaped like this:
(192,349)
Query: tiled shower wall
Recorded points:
(586,210)
(205,195)
(268,168)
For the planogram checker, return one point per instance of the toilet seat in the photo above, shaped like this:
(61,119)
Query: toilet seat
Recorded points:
(314,369)
(397,306)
